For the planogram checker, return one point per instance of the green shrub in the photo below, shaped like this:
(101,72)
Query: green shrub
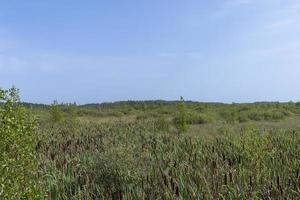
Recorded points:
(72,114)
(243,118)
(162,124)
(180,120)
(196,118)
(230,116)
(18,164)
(57,115)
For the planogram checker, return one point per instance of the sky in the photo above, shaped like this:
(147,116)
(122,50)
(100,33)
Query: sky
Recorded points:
(111,50)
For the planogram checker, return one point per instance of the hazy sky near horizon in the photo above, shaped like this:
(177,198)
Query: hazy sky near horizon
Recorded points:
(110,50)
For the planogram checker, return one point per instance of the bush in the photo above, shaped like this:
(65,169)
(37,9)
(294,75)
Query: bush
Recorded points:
(180,120)
(230,116)
(56,113)
(70,118)
(196,118)
(162,124)
(243,118)
(18,164)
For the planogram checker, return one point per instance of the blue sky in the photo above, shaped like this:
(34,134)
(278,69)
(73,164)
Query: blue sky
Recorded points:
(110,50)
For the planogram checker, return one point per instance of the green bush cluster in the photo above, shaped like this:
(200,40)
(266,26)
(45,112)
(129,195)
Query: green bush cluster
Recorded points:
(57,115)
(181,118)
(162,124)
(199,118)
(254,114)
(18,139)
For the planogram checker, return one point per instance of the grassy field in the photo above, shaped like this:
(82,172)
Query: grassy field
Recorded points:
(135,151)
(167,150)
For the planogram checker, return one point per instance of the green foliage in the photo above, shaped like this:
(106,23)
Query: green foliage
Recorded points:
(180,120)
(18,164)
(162,124)
(57,115)
(71,114)
(199,118)
(245,114)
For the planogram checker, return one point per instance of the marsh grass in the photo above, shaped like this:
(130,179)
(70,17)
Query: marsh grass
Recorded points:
(134,161)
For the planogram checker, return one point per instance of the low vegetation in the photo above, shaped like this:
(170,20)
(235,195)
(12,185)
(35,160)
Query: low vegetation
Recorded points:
(150,150)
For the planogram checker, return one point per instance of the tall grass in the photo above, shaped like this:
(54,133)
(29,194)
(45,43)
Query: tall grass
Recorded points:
(133,161)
